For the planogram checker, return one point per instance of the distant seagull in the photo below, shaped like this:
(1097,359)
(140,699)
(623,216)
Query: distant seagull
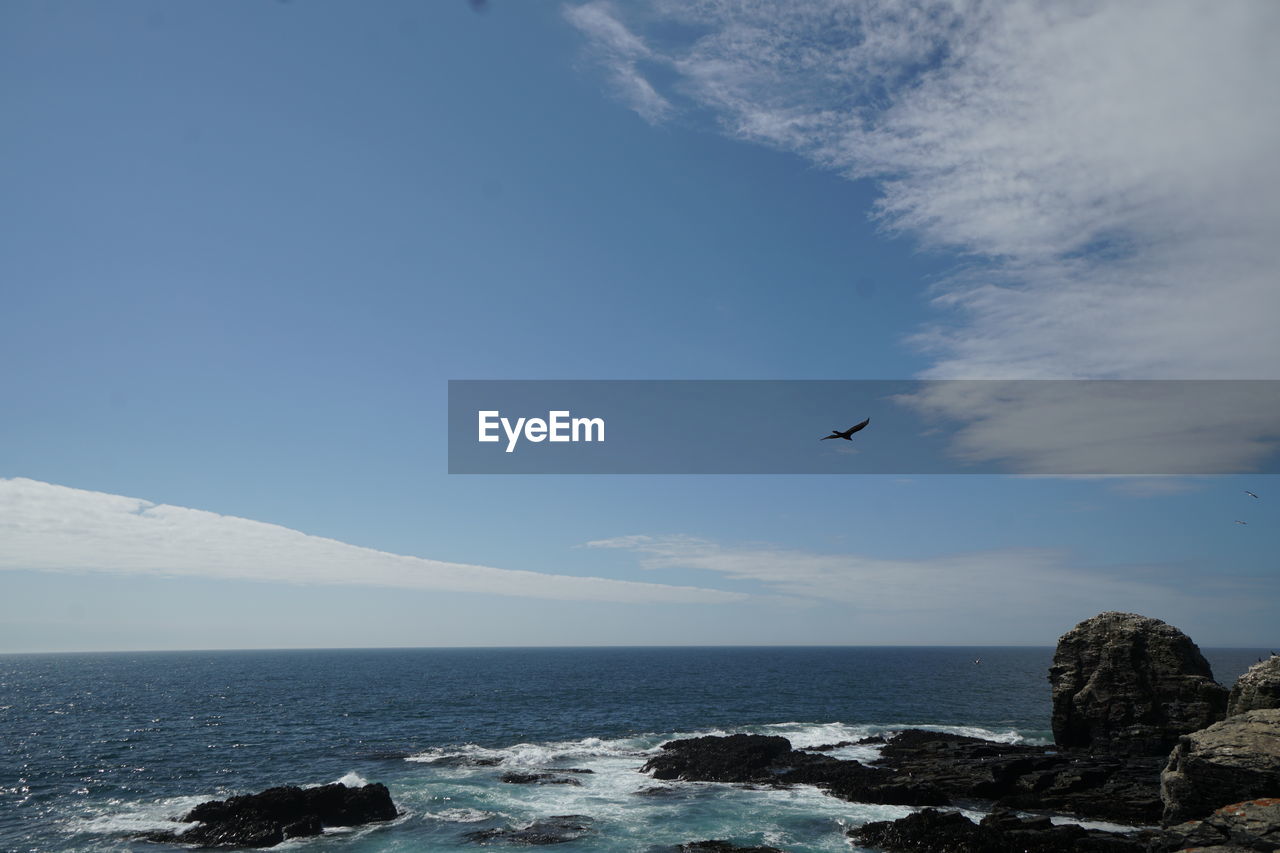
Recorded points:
(978,661)
(1250,494)
(1241,522)
(847,435)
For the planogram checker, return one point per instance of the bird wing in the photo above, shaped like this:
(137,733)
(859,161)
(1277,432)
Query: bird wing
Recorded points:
(857,427)
(825,437)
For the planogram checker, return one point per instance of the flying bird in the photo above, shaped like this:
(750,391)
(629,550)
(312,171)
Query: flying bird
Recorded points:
(1250,494)
(1242,522)
(847,435)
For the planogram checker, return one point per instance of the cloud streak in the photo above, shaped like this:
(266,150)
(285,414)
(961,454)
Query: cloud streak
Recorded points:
(46,527)
(1107,168)
(1034,586)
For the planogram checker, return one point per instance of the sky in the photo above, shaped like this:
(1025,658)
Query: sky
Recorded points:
(245,246)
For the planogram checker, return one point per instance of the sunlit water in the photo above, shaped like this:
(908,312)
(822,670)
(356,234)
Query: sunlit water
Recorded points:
(94,748)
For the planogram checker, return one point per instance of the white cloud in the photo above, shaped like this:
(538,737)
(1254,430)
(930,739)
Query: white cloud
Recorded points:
(45,527)
(1084,427)
(1004,585)
(1109,167)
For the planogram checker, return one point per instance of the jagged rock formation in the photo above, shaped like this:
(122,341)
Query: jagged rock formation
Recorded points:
(1130,685)
(1258,689)
(1234,760)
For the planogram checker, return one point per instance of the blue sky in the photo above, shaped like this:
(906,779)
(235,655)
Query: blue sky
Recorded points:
(247,245)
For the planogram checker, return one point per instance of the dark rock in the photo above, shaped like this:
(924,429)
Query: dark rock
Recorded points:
(1234,760)
(304,828)
(1258,689)
(734,758)
(537,779)
(1248,826)
(1027,776)
(951,832)
(268,818)
(1130,685)
(723,847)
(553,830)
(769,760)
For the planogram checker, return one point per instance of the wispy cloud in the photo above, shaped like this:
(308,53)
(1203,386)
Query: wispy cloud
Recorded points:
(45,527)
(620,51)
(1109,168)
(1002,584)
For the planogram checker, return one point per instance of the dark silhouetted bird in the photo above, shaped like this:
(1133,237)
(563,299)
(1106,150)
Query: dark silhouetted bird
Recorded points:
(1241,522)
(847,435)
(1250,494)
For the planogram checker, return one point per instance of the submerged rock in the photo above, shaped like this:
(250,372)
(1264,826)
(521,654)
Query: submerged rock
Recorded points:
(1234,760)
(723,847)
(268,818)
(1130,685)
(1258,689)
(932,831)
(537,779)
(553,830)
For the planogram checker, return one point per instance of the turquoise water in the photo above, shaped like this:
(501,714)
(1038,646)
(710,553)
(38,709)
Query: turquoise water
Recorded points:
(94,747)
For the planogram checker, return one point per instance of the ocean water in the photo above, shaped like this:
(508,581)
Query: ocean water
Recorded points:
(96,747)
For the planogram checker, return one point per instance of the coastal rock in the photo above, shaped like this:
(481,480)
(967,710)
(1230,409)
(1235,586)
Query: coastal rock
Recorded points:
(1027,776)
(553,830)
(932,831)
(1234,760)
(1258,689)
(1253,825)
(770,760)
(268,818)
(1130,685)
(733,758)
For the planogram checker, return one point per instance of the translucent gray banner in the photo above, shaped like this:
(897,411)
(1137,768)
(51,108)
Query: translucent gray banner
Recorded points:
(1034,427)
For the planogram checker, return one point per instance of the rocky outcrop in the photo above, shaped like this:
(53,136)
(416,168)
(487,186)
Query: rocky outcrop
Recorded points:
(1258,689)
(1253,825)
(770,760)
(932,831)
(926,768)
(1234,760)
(268,818)
(1126,684)
(735,758)
(1025,776)
(552,830)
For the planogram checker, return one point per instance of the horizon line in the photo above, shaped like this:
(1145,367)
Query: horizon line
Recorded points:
(550,647)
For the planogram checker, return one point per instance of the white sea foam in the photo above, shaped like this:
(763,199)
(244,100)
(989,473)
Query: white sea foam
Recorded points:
(118,817)
(461,815)
(353,780)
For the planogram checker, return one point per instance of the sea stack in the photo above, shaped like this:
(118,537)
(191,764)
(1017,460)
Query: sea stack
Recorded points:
(1126,684)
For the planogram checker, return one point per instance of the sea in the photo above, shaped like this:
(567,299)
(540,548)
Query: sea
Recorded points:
(97,749)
